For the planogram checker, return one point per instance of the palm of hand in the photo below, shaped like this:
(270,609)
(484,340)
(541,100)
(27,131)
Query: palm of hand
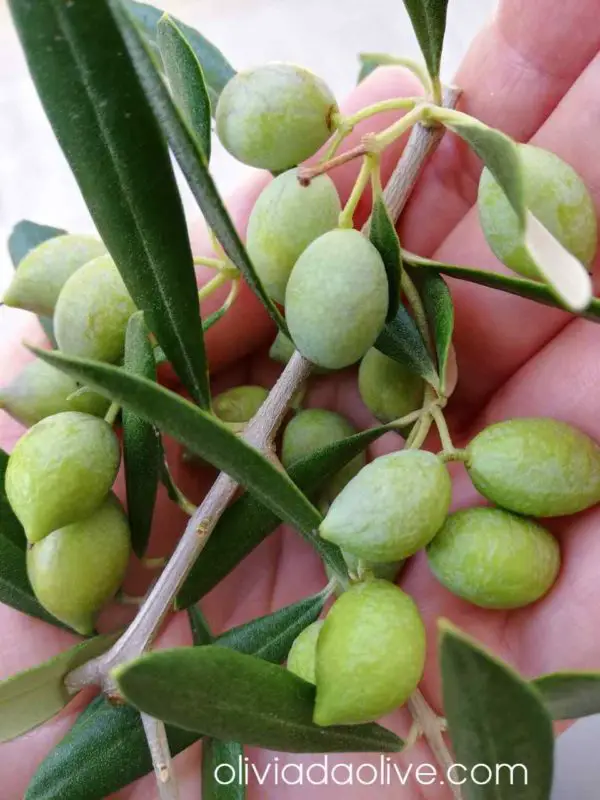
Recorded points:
(532,73)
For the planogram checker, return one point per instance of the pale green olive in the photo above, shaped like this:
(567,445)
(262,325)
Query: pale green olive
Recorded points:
(370,654)
(240,404)
(392,508)
(60,471)
(302,656)
(494,559)
(275,116)
(536,466)
(285,219)
(92,312)
(40,390)
(43,272)
(283,349)
(555,194)
(388,389)
(336,299)
(77,569)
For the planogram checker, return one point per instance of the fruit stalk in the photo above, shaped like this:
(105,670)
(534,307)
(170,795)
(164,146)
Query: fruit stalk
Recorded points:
(156,735)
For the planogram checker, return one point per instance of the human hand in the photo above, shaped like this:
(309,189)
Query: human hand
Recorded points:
(534,73)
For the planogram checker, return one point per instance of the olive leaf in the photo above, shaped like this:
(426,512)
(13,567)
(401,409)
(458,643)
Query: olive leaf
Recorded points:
(201,633)
(402,341)
(369,63)
(507,726)
(570,695)
(428,19)
(190,157)
(186,79)
(221,770)
(82,72)
(247,522)
(439,309)
(522,287)
(234,696)
(142,453)
(384,237)
(33,696)
(217,70)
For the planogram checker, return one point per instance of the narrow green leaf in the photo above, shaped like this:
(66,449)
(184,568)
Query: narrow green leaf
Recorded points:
(369,63)
(190,157)
(247,522)
(221,770)
(401,340)
(10,527)
(29,698)
(199,430)
(570,695)
(186,80)
(142,453)
(201,633)
(238,697)
(270,637)
(102,120)
(507,725)
(532,290)
(439,308)
(428,19)
(217,70)
(384,237)
(26,235)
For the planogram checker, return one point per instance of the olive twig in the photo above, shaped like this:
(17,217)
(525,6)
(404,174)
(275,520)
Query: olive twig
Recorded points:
(415,302)
(306,174)
(442,426)
(212,285)
(370,164)
(211,263)
(156,735)
(112,413)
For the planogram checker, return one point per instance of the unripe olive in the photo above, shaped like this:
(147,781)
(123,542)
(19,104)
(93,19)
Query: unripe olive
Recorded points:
(388,389)
(285,219)
(302,656)
(336,299)
(60,471)
(43,272)
(41,390)
(76,569)
(275,116)
(312,429)
(392,508)
(370,654)
(283,349)
(494,559)
(239,404)
(555,194)
(92,312)
(536,466)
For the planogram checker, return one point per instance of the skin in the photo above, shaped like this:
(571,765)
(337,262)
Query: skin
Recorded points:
(544,363)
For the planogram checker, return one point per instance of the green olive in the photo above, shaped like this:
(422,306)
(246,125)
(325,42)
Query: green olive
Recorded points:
(283,349)
(388,389)
(336,299)
(285,219)
(302,656)
(385,571)
(555,194)
(370,654)
(536,466)
(92,312)
(240,404)
(494,559)
(311,430)
(43,272)
(41,390)
(60,471)
(392,508)
(275,116)
(77,569)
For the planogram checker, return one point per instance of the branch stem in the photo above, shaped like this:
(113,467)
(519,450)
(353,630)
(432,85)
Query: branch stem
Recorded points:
(156,736)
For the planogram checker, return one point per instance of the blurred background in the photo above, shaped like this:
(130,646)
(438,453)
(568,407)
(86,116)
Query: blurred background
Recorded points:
(323,35)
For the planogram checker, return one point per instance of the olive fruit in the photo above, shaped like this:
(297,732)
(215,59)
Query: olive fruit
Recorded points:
(312,429)
(536,466)
(76,569)
(41,390)
(555,194)
(370,654)
(388,389)
(60,471)
(392,508)
(283,349)
(285,219)
(302,656)
(494,559)
(92,312)
(275,116)
(336,299)
(44,271)
(240,404)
